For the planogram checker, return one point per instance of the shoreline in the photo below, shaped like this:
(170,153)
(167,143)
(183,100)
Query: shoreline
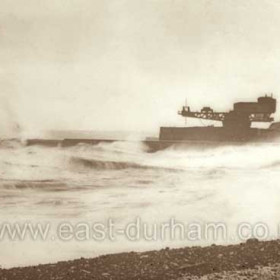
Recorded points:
(183,263)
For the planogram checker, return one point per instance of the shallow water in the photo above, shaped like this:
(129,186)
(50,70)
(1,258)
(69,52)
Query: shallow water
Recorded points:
(119,182)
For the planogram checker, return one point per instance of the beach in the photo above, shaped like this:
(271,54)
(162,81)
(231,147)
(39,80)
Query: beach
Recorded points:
(253,259)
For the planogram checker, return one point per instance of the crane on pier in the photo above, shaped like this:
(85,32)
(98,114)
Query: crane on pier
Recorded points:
(242,115)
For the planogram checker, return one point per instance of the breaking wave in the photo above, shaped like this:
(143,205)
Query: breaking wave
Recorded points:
(44,185)
(36,163)
(121,181)
(109,165)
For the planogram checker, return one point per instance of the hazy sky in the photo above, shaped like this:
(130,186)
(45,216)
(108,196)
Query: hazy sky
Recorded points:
(130,64)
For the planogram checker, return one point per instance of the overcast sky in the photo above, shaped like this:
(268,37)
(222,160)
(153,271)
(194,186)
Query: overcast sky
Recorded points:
(130,64)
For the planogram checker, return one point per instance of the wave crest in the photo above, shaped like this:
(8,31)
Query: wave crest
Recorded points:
(101,164)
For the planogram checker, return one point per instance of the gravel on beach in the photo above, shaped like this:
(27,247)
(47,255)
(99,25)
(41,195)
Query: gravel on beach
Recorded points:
(251,260)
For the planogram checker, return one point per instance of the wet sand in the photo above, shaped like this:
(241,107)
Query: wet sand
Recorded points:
(252,259)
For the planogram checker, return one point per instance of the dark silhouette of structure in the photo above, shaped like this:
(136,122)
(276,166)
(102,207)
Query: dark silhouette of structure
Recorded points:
(236,128)
(242,115)
(236,124)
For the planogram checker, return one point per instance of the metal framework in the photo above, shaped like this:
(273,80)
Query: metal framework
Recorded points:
(243,114)
(220,116)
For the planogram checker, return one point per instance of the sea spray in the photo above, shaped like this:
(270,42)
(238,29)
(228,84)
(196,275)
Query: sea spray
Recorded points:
(120,181)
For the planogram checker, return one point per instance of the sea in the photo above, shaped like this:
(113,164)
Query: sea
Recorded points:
(117,197)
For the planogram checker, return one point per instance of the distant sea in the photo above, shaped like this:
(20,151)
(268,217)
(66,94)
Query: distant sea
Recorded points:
(121,182)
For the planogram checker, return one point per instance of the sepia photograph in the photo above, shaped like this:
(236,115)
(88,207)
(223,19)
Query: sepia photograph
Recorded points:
(139,139)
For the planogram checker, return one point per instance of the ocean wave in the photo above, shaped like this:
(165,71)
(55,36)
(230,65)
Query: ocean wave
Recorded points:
(273,164)
(73,163)
(45,185)
(109,165)
(10,144)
